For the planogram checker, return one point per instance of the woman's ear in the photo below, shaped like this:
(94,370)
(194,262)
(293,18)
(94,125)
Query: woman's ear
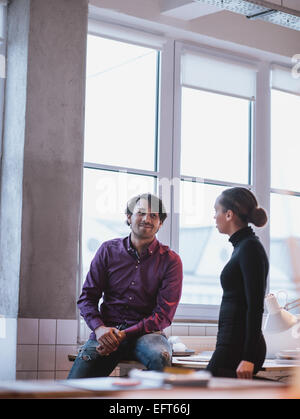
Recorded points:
(229,215)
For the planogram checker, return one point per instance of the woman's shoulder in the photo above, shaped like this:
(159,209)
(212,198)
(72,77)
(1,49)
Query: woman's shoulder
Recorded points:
(252,246)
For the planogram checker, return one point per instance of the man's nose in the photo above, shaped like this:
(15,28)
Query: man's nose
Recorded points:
(146,217)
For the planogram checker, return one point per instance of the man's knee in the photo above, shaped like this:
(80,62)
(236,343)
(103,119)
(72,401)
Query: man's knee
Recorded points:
(158,361)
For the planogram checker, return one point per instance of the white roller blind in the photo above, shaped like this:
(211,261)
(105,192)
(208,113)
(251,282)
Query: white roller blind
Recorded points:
(124,33)
(286,79)
(205,71)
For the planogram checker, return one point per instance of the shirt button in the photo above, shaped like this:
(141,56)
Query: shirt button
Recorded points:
(130,298)
(136,267)
(132,283)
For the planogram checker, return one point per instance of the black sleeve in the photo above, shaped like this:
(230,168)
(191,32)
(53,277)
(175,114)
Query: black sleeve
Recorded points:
(253,265)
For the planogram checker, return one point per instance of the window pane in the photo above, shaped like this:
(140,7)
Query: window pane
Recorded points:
(285,147)
(204,251)
(285,240)
(105,195)
(214,131)
(121,93)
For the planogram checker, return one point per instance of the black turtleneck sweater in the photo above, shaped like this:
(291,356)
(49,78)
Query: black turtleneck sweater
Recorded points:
(243,280)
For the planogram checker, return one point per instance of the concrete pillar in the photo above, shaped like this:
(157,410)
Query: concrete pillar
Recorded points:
(41,174)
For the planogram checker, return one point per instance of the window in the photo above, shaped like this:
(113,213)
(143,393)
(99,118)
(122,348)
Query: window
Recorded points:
(216,127)
(186,122)
(121,104)
(3,13)
(285,182)
(206,144)
(121,138)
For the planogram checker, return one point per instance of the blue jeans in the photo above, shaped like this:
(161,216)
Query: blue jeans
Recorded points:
(152,350)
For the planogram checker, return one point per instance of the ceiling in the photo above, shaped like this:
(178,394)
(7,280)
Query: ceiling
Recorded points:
(187,20)
(273,11)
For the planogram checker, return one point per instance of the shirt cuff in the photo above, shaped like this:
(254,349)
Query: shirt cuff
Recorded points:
(133,331)
(95,323)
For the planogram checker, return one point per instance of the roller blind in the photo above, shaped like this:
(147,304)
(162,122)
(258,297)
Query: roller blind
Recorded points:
(285,79)
(208,72)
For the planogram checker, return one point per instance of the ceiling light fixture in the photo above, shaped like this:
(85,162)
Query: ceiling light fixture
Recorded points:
(262,10)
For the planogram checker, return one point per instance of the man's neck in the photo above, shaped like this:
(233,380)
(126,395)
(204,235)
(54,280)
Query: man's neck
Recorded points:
(140,244)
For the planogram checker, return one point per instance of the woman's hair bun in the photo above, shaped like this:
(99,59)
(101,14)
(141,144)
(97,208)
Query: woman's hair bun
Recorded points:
(258,217)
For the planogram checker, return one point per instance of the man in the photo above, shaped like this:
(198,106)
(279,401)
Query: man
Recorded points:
(140,281)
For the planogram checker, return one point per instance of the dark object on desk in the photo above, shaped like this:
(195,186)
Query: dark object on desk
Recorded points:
(187,352)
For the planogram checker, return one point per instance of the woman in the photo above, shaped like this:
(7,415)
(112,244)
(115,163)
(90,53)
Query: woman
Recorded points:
(241,349)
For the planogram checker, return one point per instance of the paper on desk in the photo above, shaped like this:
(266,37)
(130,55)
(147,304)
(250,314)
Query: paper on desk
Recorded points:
(203,357)
(111,384)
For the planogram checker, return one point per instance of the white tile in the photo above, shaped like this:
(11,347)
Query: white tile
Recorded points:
(46,375)
(27,357)
(180,330)
(196,330)
(61,375)
(62,352)
(211,330)
(47,331)
(199,343)
(27,331)
(46,357)
(168,331)
(26,375)
(66,333)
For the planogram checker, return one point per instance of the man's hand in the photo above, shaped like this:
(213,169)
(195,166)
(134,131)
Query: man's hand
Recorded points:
(109,339)
(245,370)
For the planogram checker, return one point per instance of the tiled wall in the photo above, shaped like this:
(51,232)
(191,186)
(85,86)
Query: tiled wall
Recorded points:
(191,329)
(43,345)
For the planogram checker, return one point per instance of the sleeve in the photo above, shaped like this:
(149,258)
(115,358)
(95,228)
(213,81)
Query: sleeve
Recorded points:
(92,291)
(168,298)
(254,270)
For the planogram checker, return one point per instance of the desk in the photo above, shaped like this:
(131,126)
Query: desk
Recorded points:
(218,388)
(271,369)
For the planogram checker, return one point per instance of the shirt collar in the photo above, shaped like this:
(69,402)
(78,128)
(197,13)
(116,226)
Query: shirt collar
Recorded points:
(130,248)
(239,235)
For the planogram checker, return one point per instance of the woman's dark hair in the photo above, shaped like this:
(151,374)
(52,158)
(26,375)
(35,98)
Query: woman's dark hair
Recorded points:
(244,204)
(154,203)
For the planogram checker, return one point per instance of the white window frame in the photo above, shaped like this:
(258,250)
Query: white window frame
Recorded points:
(3,26)
(273,190)
(204,312)
(169,131)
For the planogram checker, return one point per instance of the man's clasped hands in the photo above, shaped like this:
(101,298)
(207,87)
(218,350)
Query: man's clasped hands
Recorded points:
(109,339)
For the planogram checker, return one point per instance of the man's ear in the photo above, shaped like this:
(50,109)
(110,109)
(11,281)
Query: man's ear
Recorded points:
(129,219)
